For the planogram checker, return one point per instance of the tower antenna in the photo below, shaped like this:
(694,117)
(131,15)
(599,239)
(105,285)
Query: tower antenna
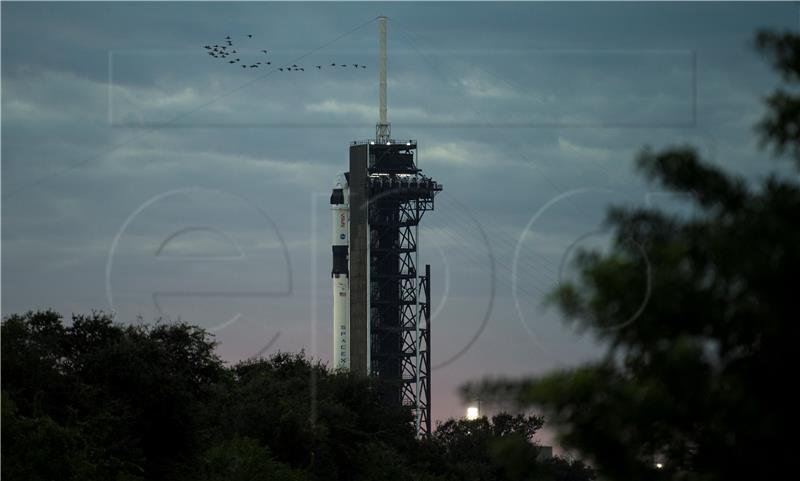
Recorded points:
(383,130)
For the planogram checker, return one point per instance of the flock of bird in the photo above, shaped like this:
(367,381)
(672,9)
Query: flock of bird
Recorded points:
(226,49)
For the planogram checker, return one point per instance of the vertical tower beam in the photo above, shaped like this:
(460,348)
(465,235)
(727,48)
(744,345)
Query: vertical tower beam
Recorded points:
(359,260)
(424,399)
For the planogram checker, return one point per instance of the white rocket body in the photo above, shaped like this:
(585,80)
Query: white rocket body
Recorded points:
(340,242)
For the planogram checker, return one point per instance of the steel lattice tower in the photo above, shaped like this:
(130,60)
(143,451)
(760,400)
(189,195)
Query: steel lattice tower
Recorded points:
(399,312)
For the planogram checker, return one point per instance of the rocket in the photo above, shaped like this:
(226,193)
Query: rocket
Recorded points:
(340,244)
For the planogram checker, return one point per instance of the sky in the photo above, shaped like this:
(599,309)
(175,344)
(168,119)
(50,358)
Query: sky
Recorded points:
(142,177)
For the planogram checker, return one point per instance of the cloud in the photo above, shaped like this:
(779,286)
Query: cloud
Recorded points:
(583,153)
(331,106)
(451,153)
(49,96)
(475,86)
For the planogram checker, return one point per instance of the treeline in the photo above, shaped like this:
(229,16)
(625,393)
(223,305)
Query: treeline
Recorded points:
(96,400)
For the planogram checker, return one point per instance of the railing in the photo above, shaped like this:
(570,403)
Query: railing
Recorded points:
(407,143)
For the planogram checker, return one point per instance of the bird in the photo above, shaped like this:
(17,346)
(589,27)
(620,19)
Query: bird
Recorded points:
(244,66)
(294,66)
(363,66)
(343,65)
(207,47)
(249,35)
(233,51)
(228,37)
(319,67)
(302,69)
(333,65)
(259,63)
(237,59)
(264,51)
(231,61)
(269,63)
(254,66)
(280,68)
(355,65)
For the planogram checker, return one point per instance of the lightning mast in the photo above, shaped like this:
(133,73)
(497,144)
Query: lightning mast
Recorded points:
(383,130)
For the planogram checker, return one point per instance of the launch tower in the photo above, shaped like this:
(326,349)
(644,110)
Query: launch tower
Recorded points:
(381,302)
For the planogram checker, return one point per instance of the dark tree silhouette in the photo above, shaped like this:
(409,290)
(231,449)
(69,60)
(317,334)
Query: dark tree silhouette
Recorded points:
(696,388)
(97,400)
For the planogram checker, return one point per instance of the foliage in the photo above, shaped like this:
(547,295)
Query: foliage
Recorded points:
(781,127)
(97,400)
(243,459)
(500,448)
(136,394)
(695,382)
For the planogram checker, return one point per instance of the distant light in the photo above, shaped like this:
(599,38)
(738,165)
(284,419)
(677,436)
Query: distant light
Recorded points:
(659,465)
(472,413)
(408,143)
(388,143)
(372,143)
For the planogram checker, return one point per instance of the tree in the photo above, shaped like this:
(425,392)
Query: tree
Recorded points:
(781,127)
(38,448)
(696,388)
(271,402)
(98,400)
(95,399)
(136,397)
(243,459)
(500,448)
